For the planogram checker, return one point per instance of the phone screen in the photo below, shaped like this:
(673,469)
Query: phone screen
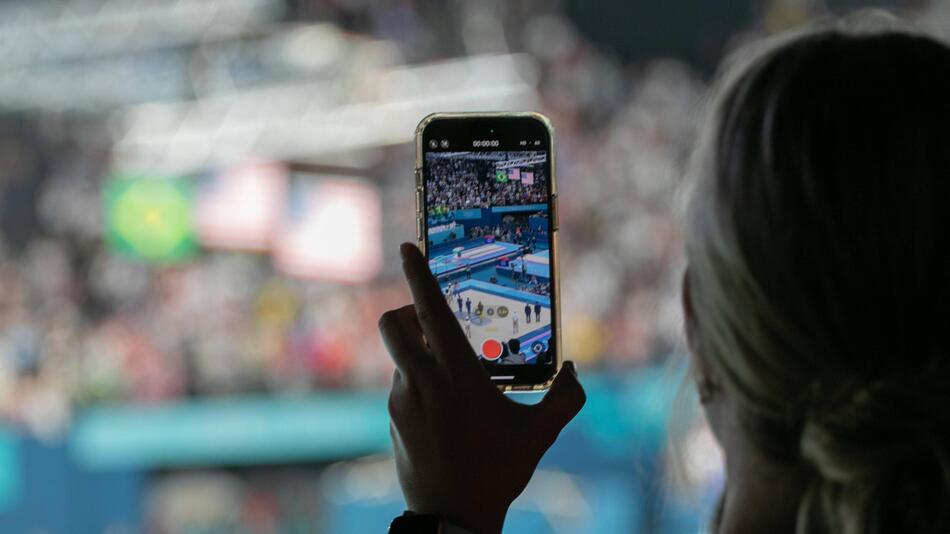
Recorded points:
(488,197)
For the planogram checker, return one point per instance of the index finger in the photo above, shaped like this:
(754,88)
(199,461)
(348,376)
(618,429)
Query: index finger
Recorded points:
(441,330)
(403,339)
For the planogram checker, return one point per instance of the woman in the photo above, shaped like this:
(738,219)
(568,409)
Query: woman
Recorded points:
(815,302)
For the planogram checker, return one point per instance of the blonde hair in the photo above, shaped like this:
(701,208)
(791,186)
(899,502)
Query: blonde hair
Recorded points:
(818,244)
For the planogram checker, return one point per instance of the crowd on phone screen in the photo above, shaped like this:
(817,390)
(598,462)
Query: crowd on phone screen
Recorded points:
(457,184)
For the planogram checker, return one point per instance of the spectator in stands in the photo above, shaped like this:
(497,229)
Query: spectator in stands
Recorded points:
(818,246)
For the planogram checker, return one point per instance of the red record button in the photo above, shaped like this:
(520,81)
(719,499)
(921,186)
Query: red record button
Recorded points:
(491,349)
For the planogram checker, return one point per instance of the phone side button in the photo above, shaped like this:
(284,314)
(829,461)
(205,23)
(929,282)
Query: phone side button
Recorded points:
(554,212)
(418,201)
(418,174)
(419,229)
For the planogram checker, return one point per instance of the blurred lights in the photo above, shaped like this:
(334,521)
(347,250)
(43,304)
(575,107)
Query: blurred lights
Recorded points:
(53,31)
(303,121)
(313,47)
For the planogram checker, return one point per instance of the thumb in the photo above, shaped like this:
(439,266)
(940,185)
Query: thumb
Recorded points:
(562,402)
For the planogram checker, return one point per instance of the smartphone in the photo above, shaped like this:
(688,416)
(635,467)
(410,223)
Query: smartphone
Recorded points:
(486,219)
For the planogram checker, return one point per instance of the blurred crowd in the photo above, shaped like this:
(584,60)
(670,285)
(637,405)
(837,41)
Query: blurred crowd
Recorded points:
(127,332)
(286,501)
(514,229)
(80,325)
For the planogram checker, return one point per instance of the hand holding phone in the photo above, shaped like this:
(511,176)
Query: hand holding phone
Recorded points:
(463,450)
(486,211)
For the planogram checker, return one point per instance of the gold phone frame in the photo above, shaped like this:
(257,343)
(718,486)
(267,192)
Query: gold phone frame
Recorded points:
(420,223)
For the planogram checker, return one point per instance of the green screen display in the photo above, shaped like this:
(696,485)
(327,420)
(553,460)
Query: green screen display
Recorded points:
(150,218)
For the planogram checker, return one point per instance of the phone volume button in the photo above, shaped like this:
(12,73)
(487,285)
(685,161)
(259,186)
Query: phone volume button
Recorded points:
(418,175)
(554,212)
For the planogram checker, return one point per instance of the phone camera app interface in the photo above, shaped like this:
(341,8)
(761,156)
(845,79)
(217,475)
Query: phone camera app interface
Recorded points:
(488,237)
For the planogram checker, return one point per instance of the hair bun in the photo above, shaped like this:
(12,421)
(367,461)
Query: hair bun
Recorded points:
(881,458)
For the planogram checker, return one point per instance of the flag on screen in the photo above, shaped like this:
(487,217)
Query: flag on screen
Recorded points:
(514,174)
(239,208)
(331,231)
(527,178)
(501,176)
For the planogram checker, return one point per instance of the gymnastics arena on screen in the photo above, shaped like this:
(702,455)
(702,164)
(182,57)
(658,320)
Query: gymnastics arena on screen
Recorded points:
(489,248)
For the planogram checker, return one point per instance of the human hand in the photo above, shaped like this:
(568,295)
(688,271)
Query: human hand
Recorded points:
(463,450)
